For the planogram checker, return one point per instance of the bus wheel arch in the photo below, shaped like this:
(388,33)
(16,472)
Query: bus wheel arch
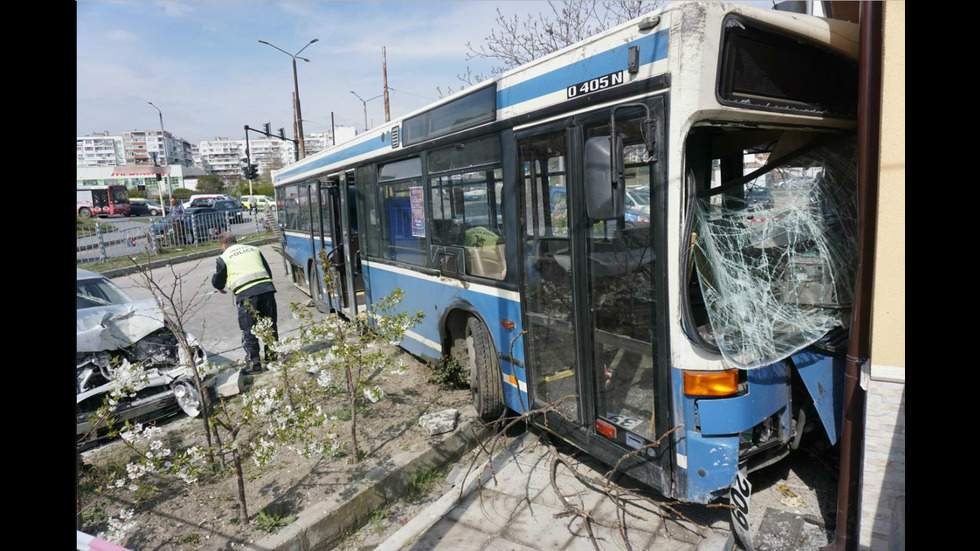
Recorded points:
(471,344)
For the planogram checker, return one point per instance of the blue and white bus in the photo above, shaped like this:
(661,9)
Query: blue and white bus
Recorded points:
(500,212)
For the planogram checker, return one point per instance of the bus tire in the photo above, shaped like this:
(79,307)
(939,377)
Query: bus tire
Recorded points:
(486,386)
(85,212)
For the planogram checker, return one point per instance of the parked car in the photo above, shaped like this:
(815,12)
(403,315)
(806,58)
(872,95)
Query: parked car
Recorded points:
(232,209)
(212,196)
(759,195)
(144,207)
(637,204)
(261,202)
(112,327)
(199,224)
(201,202)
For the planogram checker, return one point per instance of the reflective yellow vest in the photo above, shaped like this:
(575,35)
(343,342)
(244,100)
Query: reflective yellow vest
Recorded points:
(245,268)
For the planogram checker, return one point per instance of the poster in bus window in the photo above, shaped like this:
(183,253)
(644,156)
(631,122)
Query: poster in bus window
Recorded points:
(418,212)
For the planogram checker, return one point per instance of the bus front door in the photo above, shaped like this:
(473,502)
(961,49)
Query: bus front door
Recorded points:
(589,297)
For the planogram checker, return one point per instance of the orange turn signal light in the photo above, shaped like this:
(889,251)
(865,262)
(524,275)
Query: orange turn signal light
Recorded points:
(711,383)
(508,324)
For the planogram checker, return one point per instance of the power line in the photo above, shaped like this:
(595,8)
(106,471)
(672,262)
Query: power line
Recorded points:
(411,94)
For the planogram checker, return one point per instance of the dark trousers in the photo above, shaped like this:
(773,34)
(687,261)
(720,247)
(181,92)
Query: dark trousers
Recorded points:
(249,310)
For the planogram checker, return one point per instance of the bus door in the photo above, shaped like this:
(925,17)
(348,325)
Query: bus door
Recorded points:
(594,344)
(336,253)
(352,243)
(346,246)
(321,231)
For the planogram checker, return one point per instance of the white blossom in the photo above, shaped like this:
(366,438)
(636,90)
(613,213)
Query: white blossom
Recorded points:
(118,527)
(127,380)
(373,393)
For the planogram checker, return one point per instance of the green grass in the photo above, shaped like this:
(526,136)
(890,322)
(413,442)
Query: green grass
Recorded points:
(420,484)
(272,520)
(86,226)
(448,373)
(379,519)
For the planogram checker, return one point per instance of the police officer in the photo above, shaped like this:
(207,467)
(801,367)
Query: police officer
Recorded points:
(247,274)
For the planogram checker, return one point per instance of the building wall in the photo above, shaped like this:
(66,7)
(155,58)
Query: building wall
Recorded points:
(882,523)
(99,150)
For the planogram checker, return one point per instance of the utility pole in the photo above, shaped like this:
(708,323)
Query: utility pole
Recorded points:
(295,129)
(297,112)
(384,69)
(163,137)
(333,131)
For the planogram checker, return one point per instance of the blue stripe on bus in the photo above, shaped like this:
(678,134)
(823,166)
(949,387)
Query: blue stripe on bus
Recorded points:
(652,48)
(367,146)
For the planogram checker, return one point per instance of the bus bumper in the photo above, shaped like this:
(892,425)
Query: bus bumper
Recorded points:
(721,434)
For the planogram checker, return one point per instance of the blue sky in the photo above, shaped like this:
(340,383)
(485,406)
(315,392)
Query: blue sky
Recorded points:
(202,65)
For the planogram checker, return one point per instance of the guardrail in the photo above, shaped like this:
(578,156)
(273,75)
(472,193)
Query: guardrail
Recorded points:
(105,239)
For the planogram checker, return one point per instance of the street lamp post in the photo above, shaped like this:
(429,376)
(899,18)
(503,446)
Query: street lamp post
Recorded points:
(364,101)
(163,136)
(297,111)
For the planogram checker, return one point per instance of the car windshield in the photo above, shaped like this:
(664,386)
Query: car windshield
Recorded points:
(98,292)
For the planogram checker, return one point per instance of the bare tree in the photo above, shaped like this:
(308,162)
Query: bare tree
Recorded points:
(515,41)
(274,162)
(178,303)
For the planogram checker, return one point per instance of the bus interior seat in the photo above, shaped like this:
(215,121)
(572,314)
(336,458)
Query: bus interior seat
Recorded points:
(489,262)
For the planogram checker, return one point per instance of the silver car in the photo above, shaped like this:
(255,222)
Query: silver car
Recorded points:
(111,327)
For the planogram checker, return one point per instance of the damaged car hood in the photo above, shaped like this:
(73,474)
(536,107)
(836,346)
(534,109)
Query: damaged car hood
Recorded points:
(116,326)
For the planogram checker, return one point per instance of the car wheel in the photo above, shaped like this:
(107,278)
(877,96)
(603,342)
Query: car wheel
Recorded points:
(85,212)
(154,212)
(188,398)
(481,362)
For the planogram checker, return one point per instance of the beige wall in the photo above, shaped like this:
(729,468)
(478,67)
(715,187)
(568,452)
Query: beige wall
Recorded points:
(882,524)
(888,310)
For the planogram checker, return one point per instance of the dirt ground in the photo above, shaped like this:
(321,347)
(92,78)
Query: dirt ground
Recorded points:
(204,516)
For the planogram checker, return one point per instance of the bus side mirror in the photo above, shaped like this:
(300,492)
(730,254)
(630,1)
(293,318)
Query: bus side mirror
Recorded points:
(605,189)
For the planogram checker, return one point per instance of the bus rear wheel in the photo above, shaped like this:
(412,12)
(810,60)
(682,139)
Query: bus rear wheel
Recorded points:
(479,355)
(85,212)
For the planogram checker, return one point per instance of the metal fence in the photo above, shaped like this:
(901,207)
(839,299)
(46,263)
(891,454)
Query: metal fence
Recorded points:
(109,238)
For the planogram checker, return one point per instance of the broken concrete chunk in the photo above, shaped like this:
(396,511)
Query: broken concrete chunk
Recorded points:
(439,422)
(229,383)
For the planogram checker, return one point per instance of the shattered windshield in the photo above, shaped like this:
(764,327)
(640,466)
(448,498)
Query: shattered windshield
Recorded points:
(776,250)
(90,293)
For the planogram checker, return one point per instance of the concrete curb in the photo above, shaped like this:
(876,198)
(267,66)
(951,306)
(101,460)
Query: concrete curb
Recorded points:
(322,525)
(180,259)
(436,511)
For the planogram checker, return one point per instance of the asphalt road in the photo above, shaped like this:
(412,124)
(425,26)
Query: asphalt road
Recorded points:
(215,323)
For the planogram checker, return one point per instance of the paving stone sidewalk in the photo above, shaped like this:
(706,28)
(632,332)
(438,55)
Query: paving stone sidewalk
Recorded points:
(522,512)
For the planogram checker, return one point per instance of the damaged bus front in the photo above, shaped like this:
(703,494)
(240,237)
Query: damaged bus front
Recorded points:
(768,255)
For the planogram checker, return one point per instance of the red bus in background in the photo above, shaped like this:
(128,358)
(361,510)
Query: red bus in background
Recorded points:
(101,201)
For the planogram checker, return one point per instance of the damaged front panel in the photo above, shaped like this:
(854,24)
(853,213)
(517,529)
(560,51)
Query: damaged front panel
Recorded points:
(776,251)
(116,326)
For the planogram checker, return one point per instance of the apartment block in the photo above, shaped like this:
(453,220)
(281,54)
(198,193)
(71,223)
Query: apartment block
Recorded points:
(99,149)
(142,147)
